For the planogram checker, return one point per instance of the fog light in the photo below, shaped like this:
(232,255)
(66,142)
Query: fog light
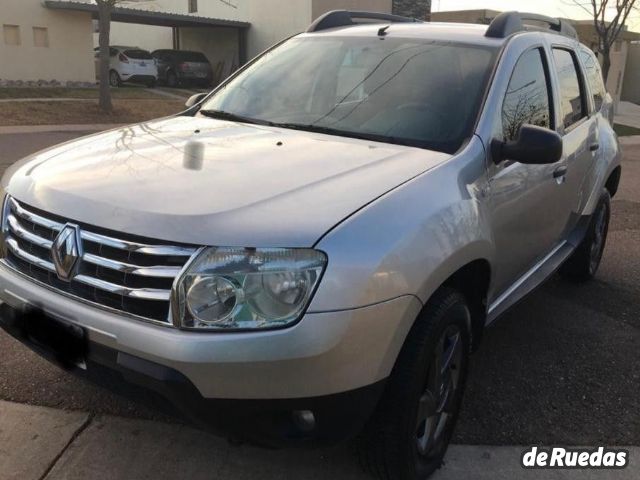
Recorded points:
(305,420)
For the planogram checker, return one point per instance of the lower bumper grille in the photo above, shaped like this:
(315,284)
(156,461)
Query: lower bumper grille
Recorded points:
(122,273)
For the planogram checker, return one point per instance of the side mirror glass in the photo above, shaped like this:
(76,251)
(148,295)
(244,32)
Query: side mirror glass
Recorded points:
(534,145)
(194,99)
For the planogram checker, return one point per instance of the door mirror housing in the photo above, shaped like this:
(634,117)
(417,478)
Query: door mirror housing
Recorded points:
(195,99)
(534,145)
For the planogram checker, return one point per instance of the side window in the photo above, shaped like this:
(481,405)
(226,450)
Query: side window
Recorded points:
(527,97)
(593,72)
(571,95)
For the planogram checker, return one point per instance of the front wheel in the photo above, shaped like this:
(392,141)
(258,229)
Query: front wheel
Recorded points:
(114,79)
(409,433)
(583,264)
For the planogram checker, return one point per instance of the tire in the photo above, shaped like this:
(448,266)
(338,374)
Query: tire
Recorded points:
(395,444)
(152,84)
(114,79)
(172,80)
(583,264)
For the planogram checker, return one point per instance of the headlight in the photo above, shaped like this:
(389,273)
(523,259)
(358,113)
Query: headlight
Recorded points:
(236,288)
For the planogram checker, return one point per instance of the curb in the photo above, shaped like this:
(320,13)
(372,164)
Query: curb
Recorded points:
(22,129)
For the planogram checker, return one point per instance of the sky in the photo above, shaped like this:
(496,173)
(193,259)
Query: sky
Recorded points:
(554,8)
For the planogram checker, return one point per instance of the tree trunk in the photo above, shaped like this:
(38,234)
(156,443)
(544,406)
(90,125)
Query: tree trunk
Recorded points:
(104,23)
(606,63)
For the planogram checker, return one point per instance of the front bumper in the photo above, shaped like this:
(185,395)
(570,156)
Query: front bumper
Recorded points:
(272,423)
(333,359)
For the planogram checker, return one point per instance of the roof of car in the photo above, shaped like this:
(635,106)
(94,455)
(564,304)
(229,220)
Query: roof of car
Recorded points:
(461,32)
(448,32)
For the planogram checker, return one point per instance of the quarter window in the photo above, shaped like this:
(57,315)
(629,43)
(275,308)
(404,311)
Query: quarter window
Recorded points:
(571,94)
(593,72)
(527,98)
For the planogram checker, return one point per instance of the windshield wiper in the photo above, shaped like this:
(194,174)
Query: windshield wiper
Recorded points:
(232,117)
(341,133)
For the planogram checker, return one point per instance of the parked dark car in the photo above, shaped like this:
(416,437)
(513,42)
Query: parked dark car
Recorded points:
(176,67)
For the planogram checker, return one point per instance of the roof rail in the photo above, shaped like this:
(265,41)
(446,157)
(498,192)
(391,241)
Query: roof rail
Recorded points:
(343,18)
(508,23)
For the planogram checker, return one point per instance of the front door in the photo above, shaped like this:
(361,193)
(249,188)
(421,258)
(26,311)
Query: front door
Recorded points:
(528,201)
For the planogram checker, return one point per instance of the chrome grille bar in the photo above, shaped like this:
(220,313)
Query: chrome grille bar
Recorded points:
(165,250)
(13,246)
(142,293)
(153,271)
(20,232)
(114,273)
(34,217)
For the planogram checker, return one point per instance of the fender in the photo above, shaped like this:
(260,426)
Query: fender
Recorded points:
(412,241)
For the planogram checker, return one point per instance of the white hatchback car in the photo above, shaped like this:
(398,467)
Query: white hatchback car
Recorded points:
(129,64)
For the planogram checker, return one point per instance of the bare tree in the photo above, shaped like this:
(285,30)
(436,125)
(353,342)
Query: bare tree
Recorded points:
(609,19)
(105,8)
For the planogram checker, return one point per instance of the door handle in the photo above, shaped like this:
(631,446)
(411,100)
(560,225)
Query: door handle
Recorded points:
(594,146)
(560,172)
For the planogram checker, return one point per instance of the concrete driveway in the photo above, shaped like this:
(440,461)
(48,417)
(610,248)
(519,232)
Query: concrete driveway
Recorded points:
(560,368)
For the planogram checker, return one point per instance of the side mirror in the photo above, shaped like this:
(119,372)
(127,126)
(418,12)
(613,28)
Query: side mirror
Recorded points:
(534,145)
(194,99)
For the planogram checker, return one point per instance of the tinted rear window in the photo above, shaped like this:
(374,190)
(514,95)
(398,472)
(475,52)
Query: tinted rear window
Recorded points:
(191,57)
(573,105)
(594,76)
(138,54)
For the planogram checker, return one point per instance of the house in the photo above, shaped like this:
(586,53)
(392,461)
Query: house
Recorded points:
(41,44)
(587,34)
(52,40)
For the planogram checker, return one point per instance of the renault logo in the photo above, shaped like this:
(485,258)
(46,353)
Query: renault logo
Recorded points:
(66,251)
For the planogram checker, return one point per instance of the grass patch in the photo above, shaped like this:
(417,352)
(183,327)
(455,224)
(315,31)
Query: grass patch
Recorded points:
(70,113)
(625,131)
(62,92)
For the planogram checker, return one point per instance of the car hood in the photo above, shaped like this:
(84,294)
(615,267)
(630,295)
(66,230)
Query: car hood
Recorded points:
(209,182)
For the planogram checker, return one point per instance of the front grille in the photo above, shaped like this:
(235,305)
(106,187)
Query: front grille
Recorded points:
(122,272)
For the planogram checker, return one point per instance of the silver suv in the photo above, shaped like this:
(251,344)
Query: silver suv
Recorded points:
(313,250)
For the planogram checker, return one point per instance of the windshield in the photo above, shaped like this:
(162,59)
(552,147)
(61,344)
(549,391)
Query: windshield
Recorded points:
(406,91)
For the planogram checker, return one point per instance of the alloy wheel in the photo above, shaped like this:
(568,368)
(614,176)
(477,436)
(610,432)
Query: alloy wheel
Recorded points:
(599,235)
(435,404)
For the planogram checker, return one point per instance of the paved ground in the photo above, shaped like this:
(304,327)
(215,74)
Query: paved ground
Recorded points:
(560,368)
(628,113)
(57,445)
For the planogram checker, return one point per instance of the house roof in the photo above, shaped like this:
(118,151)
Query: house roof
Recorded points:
(146,17)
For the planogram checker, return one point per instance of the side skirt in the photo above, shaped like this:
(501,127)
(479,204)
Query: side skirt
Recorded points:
(540,272)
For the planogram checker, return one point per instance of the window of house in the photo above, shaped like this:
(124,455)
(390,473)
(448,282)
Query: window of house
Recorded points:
(527,100)
(593,73)
(571,93)
(40,37)
(11,34)
(193,6)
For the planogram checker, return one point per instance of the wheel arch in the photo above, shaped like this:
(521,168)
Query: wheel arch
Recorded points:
(613,181)
(472,280)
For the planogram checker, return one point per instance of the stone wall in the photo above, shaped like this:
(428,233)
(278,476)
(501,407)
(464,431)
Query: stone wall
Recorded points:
(420,9)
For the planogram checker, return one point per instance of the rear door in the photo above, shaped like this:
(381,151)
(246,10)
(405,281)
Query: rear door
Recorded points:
(579,132)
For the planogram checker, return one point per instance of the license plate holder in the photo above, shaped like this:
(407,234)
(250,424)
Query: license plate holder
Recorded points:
(66,342)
